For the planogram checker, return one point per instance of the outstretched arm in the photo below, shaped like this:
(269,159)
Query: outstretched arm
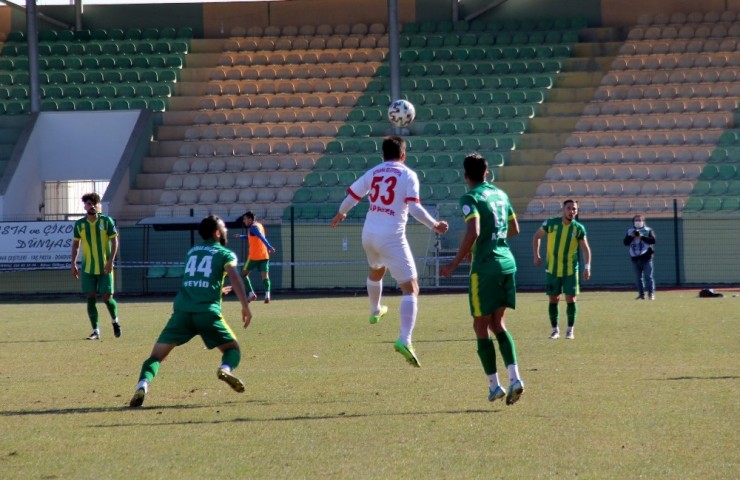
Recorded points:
(348,204)
(420,213)
(237,287)
(471,235)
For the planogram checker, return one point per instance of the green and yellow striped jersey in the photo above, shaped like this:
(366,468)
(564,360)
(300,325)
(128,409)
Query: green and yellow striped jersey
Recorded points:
(562,245)
(95,240)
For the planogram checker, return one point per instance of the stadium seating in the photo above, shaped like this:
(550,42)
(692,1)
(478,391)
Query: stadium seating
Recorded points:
(659,126)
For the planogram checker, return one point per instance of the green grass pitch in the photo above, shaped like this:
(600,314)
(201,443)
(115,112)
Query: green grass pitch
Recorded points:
(646,390)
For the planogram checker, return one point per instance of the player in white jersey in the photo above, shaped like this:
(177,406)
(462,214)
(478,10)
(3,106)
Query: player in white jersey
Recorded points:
(393,192)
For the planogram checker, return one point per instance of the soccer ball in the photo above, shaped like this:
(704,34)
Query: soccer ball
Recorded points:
(401,113)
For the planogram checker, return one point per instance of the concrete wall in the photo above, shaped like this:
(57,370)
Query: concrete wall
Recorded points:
(65,146)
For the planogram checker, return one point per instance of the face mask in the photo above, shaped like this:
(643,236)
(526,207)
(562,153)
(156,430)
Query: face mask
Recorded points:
(639,224)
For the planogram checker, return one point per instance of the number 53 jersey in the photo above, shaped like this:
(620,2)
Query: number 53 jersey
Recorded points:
(389,187)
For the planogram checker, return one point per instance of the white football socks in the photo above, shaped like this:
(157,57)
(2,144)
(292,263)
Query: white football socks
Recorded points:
(513,372)
(374,291)
(409,308)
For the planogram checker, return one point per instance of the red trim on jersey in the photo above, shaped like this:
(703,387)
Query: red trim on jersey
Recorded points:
(411,199)
(353,194)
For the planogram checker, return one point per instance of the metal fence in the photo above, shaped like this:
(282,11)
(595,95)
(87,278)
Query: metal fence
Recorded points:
(311,257)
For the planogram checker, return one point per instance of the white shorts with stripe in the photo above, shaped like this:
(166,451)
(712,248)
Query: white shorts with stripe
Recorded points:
(392,252)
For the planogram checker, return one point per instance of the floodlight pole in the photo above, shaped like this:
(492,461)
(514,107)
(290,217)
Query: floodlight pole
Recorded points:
(32,35)
(395,53)
(394,50)
(78,15)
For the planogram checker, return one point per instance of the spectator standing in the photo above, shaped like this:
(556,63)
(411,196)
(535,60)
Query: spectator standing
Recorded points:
(640,239)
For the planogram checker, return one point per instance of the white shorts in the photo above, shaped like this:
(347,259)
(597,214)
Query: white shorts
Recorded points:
(391,252)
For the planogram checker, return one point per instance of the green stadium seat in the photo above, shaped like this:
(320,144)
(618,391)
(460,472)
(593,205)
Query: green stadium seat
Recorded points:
(112,34)
(156,104)
(302,195)
(16,36)
(167,33)
(74,63)
(162,48)
(150,34)
(731,204)
(119,104)
(83,105)
(71,91)
(93,48)
(125,91)
(358,163)
(106,62)
(140,61)
(340,163)
(709,172)
(130,76)
(49,105)
(65,105)
(145,91)
(184,32)
(145,48)
(173,61)
(101,104)
(16,107)
(56,77)
(18,92)
(132,34)
(123,63)
(60,49)
(727,172)
(712,204)
(98,35)
(76,77)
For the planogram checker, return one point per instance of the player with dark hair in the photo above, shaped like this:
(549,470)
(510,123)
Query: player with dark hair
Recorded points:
(98,236)
(392,189)
(490,220)
(565,238)
(258,257)
(197,308)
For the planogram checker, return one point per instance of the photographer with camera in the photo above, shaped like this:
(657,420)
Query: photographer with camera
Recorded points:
(640,239)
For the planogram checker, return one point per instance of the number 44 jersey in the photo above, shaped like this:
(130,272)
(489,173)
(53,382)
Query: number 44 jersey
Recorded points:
(389,187)
(205,269)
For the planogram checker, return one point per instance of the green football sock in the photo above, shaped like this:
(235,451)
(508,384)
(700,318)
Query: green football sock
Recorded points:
(507,347)
(267,284)
(112,308)
(572,311)
(92,312)
(231,357)
(248,284)
(149,369)
(552,310)
(487,355)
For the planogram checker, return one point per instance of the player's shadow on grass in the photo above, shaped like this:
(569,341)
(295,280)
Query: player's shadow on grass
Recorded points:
(299,418)
(111,409)
(723,377)
(56,340)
